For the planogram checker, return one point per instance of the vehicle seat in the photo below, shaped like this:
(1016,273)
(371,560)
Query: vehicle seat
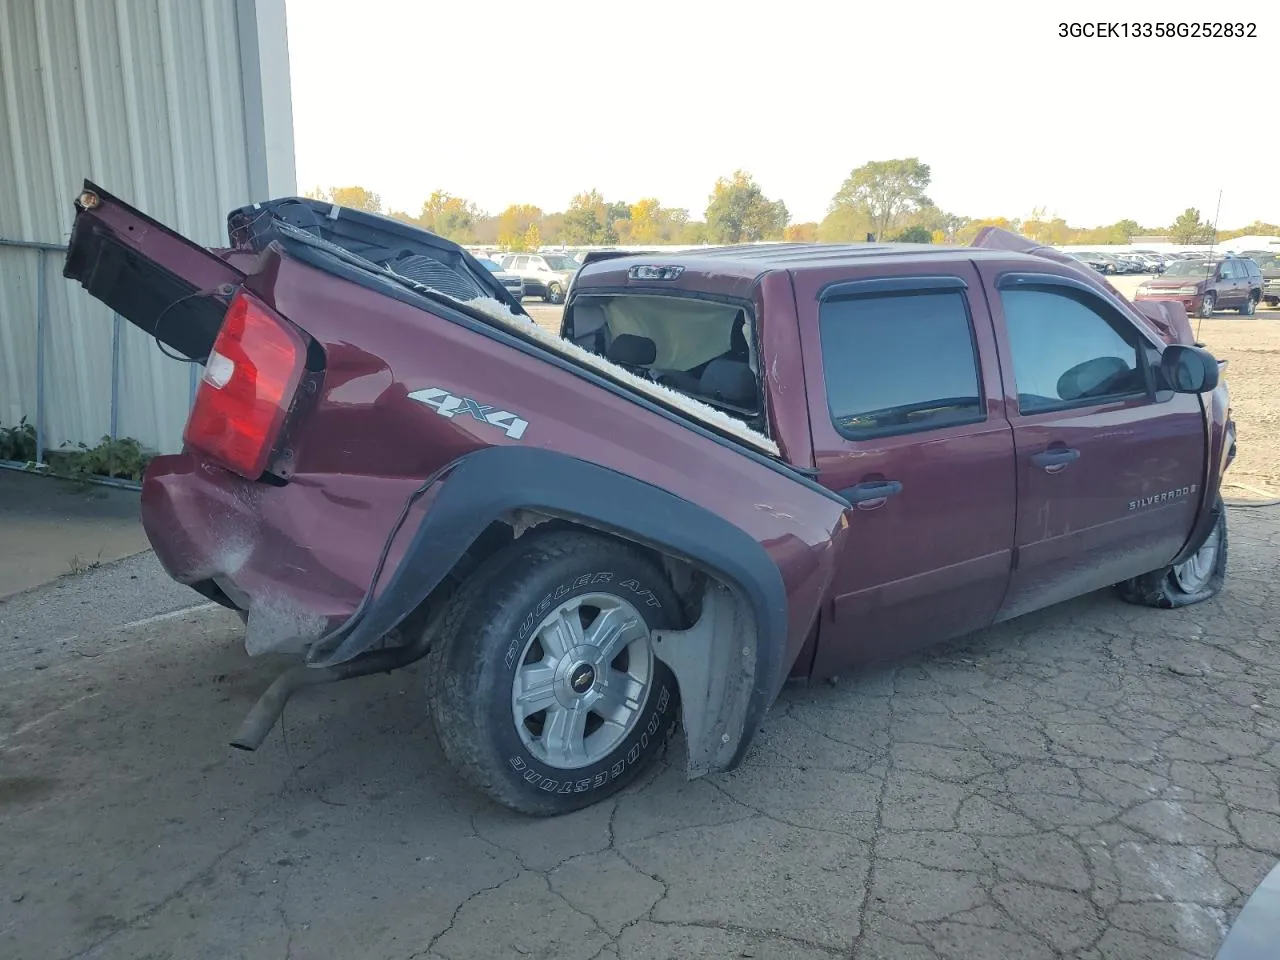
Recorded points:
(589,327)
(629,350)
(730,381)
(738,352)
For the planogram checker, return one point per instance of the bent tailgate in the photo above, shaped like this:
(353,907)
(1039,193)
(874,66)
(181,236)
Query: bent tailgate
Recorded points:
(158,280)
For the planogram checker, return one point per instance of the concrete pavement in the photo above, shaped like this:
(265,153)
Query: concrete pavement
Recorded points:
(1094,781)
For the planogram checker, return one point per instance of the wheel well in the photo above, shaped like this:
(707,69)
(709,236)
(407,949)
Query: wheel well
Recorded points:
(689,582)
(715,670)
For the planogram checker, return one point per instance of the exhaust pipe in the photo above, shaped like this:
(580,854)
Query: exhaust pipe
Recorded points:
(259,721)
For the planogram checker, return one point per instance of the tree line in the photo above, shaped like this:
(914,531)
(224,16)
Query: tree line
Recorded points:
(883,199)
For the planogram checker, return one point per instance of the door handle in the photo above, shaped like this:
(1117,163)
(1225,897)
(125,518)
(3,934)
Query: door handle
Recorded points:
(871,493)
(1055,460)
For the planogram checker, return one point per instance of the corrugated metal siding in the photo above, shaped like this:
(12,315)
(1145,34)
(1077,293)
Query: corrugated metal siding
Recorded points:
(143,97)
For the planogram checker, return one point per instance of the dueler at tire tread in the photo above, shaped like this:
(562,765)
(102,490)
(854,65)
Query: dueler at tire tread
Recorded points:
(1160,589)
(469,679)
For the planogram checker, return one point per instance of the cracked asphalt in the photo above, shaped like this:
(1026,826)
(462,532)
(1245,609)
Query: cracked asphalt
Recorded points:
(1092,781)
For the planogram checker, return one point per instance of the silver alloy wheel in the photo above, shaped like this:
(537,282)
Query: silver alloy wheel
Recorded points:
(1251,307)
(1207,305)
(1195,572)
(583,681)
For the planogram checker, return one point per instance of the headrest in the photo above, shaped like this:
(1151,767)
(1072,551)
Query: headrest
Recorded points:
(730,381)
(631,350)
(1085,379)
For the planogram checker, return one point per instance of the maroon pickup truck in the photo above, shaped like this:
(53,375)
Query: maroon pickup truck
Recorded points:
(732,466)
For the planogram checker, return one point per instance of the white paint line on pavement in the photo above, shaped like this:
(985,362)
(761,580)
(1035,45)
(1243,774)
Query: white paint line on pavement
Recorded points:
(160,617)
(32,724)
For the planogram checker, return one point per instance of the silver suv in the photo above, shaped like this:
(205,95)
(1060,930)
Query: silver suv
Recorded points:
(545,275)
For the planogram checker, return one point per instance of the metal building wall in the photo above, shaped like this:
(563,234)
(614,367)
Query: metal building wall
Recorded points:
(155,101)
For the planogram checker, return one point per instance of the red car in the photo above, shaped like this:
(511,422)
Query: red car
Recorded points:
(1204,286)
(732,467)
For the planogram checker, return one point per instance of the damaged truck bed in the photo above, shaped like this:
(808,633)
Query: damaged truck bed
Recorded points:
(732,466)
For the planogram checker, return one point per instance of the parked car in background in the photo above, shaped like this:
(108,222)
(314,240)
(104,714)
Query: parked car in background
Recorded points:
(1269,266)
(1203,286)
(1113,263)
(513,283)
(1093,260)
(545,275)
(732,466)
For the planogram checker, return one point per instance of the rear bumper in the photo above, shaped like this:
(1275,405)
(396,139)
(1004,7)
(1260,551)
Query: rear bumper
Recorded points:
(296,558)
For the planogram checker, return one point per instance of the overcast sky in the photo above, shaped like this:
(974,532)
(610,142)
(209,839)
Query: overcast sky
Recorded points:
(526,102)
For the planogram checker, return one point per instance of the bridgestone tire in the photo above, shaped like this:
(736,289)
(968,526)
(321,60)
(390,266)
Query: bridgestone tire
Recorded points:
(1161,588)
(477,652)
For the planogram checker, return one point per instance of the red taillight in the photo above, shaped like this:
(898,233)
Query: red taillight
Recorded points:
(249,382)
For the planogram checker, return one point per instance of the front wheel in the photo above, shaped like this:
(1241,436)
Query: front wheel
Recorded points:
(555,293)
(1198,578)
(1207,303)
(1250,307)
(546,692)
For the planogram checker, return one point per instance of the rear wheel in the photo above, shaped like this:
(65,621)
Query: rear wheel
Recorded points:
(546,693)
(1207,303)
(1250,306)
(1198,578)
(555,293)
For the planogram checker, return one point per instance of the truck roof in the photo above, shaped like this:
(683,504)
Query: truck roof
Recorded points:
(748,261)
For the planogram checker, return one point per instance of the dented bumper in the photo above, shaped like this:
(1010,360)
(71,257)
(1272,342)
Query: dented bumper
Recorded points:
(295,558)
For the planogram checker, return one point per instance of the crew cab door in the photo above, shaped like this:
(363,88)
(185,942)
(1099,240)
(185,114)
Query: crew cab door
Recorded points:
(906,402)
(1108,470)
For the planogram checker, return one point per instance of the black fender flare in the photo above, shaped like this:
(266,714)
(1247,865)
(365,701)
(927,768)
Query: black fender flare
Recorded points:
(490,484)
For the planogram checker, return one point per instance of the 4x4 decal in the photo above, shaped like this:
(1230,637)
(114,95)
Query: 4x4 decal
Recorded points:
(448,405)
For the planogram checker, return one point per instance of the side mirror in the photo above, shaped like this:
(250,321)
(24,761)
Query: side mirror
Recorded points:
(1188,369)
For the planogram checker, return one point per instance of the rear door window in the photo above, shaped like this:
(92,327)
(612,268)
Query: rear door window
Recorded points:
(899,363)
